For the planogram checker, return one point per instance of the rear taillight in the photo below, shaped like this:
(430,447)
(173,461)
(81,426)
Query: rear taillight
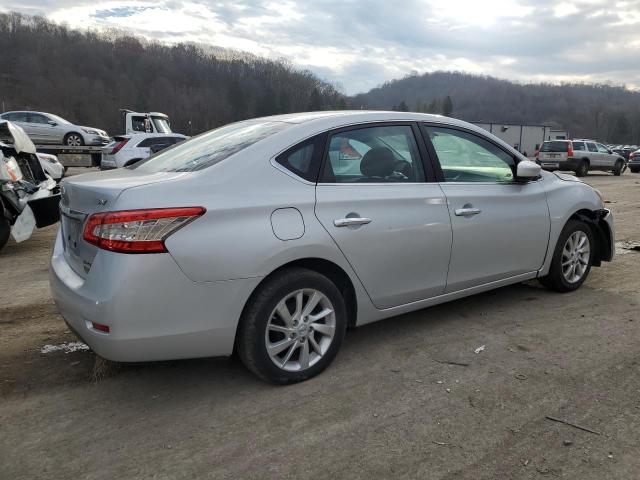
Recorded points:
(118,146)
(570,150)
(137,231)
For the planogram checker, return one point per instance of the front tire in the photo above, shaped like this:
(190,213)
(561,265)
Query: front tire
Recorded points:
(572,258)
(73,140)
(292,326)
(617,169)
(582,169)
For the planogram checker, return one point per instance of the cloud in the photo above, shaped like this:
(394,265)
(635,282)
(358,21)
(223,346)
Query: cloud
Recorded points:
(360,44)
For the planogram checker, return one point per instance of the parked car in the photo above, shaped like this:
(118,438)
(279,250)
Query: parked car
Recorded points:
(252,238)
(47,128)
(51,166)
(28,197)
(634,162)
(126,150)
(579,155)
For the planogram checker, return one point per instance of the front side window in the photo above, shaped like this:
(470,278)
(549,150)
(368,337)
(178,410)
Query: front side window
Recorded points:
(139,124)
(211,147)
(465,157)
(37,118)
(383,154)
(602,148)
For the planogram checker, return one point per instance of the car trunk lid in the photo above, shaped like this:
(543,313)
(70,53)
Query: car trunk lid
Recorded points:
(90,193)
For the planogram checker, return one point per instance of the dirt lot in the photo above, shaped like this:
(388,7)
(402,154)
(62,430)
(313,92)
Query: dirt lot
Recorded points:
(387,408)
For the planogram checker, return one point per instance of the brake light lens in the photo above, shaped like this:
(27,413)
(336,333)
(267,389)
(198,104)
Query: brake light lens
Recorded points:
(118,146)
(137,231)
(569,149)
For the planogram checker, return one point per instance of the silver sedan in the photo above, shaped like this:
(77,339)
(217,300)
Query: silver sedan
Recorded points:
(47,128)
(270,237)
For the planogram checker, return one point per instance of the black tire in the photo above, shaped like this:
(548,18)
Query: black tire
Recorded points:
(634,170)
(555,279)
(5,230)
(73,135)
(583,168)
(251,343)
(617,169)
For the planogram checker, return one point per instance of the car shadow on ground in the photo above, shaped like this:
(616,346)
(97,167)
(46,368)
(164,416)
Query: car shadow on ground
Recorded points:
(428,329)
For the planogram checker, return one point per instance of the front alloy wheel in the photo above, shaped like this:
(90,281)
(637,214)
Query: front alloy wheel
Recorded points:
(292,326)
(572,258)
(73,140)
(575,256)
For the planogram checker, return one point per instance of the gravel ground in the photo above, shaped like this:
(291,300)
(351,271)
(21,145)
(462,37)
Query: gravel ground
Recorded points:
(389,407)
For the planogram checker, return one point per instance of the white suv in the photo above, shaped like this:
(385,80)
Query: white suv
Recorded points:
(126,150)
(579,155)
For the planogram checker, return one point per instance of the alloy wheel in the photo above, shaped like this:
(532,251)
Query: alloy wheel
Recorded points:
(300,330)
(74,141)
(575,256)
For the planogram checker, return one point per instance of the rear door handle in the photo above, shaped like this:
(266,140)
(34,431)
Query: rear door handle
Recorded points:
(351,221)
(467,211)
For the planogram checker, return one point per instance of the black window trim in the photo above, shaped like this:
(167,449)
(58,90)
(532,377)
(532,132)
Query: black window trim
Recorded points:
(436,161)
(422,152)
(321,138)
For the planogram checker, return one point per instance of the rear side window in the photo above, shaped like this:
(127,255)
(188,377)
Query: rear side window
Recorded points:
(579,146)
(304,158)
(16,117)
(592,147)
(147,142)
(211,147)
(559,146)
(375,154)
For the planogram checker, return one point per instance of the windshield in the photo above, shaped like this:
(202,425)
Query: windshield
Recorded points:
(58,119)
(162,124)
(210,147)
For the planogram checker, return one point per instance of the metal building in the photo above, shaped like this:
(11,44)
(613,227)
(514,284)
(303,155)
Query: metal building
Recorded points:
(525,138)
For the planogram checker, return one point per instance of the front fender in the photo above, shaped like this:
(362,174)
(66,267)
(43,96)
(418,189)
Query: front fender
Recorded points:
(568,198)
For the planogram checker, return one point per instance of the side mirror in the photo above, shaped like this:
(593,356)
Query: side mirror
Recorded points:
(527,170)
(52,123)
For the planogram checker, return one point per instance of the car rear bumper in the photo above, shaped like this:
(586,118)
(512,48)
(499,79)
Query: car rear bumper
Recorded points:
(154,312)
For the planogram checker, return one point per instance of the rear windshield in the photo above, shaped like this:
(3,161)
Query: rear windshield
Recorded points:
(560,146)
(211,147)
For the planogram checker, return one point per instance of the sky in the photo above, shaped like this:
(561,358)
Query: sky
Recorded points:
(359,44)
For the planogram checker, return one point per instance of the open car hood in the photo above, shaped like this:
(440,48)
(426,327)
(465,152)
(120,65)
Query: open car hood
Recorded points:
(15,136)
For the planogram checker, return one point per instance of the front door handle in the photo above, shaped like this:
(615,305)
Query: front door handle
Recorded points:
(467,211)
(351,221)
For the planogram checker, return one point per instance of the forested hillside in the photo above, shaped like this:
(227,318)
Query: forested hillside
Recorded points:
(609,113)
(87,76)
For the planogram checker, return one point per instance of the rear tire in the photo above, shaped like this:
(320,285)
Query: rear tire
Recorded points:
(5,230)
(279,340)
(617,169)
(572,258)
(582,169)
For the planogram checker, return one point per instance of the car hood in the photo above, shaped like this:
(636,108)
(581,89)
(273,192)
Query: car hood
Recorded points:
(101,132)
(567,178)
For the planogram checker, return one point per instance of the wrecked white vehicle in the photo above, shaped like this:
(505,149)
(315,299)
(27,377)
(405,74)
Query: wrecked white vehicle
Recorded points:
(29,198)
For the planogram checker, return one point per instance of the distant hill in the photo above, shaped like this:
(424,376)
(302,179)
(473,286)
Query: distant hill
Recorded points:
(608,113)
(86,76)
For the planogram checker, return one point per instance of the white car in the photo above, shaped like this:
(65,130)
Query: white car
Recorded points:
(51,166)
(126,150)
